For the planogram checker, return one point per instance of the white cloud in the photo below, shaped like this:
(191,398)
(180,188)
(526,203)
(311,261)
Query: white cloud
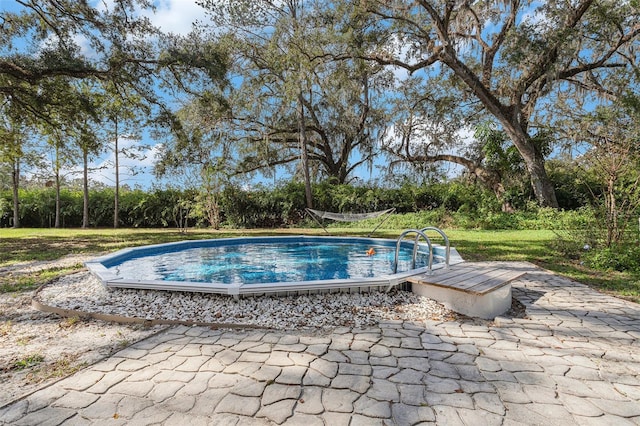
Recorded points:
(170,16)
(175,16)
(136,171)
(534,15)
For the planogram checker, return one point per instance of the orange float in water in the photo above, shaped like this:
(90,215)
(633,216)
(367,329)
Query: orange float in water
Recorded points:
(371,252)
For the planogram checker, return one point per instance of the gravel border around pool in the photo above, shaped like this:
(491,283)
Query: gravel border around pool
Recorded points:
(83,292)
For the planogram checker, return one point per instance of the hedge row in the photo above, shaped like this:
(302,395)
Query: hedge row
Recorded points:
(445,204)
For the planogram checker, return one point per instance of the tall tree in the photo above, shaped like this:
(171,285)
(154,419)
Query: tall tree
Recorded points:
(88,144)
(291,96)
(86,138)
(122,111)
(55,137)
(297,10)
(58,126)
(510,55)
(194,150)
(12,135)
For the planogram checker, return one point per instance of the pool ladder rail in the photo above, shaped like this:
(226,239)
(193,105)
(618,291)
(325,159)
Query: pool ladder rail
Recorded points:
(422,233)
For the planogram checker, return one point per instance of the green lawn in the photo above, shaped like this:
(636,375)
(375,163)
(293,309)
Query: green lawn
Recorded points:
(23,245)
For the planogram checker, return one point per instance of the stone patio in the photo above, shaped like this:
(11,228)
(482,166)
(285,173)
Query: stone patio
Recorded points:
(574,359)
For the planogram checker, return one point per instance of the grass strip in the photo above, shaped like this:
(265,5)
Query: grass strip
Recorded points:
(536,246)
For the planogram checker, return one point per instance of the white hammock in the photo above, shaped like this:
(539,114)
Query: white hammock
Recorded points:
(349,217)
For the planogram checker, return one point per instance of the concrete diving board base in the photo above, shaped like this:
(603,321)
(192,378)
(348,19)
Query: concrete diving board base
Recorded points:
(473,289)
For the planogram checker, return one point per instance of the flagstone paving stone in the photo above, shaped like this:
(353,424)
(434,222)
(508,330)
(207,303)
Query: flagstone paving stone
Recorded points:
(572,359)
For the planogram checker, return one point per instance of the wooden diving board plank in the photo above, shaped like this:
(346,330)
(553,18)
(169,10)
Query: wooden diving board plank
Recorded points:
(497,283)
(470,278)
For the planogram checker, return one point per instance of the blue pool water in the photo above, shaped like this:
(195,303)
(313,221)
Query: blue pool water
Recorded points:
(263,261)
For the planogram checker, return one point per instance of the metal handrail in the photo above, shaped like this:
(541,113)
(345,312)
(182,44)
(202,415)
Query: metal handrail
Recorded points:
(415,248)
(447,252)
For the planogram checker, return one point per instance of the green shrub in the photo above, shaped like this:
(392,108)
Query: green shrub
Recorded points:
(6,209)
(575,243)
(101,204)
(622,257)
(572,191)
(446,205)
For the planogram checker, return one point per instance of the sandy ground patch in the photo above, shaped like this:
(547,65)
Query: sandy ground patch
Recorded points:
(38,348)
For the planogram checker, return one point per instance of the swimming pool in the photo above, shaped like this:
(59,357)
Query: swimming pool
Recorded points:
(259,265)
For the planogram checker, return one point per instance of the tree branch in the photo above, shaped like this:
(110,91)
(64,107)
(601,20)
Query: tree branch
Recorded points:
(490,52)
(550,55)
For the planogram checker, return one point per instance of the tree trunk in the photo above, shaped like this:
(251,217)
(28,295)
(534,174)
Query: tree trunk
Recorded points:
(15,175)
(534,161)
(303,152)
(116,201)
(498,189)
(57,166)
(57,220)
(85,189)
(514,123)
(612,210)
(304,157)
